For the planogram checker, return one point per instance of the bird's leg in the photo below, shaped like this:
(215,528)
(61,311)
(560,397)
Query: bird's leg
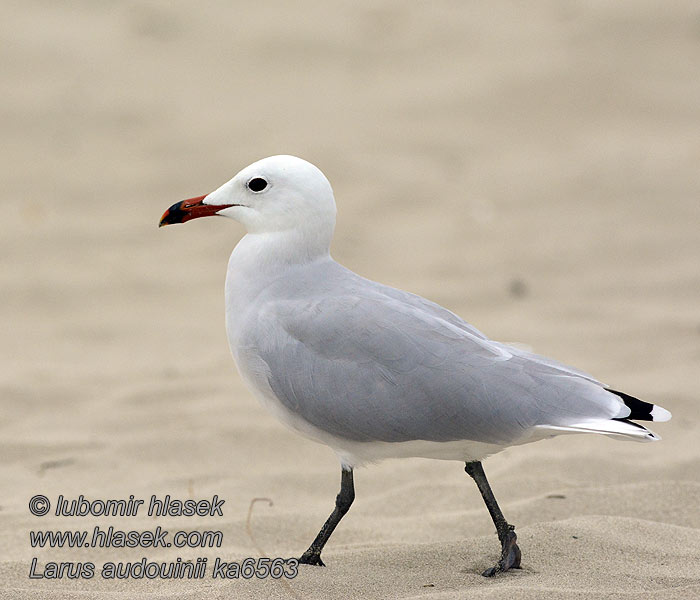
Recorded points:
(510,553)
(342,504)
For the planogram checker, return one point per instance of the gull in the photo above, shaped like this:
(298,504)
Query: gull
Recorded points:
(375,372)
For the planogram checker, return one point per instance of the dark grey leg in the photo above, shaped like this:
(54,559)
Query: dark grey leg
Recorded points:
(510,553)
(342,504)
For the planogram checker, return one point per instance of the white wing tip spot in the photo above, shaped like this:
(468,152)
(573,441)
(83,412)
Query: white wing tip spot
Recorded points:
(660,414)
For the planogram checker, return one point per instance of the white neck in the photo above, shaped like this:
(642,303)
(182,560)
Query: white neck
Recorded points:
(261,257)
(278,249)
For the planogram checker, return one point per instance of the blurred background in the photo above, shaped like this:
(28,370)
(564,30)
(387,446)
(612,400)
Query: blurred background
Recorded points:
(531,166)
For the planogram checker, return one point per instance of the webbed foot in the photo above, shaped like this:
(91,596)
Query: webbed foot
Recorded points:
(510,555)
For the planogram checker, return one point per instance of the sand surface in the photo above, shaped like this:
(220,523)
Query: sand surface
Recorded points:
(532,166)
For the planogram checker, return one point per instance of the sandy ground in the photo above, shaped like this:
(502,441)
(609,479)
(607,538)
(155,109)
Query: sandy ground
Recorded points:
(532,166)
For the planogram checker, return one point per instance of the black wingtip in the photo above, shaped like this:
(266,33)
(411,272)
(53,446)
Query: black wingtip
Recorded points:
(640,410)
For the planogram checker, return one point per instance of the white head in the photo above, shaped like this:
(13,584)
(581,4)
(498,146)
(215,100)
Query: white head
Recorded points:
(275,194)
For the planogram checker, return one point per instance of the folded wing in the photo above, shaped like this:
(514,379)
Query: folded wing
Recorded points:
(368,366)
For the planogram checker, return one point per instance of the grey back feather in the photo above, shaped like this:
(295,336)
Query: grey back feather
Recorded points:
(367,362)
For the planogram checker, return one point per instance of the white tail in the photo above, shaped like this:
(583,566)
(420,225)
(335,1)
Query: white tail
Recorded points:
(620,429)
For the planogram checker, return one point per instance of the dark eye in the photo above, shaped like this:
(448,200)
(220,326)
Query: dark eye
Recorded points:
(257,184)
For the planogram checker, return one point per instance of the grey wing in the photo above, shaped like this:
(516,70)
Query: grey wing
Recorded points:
(428,307)
(439,312)
(379,369)
(549,362)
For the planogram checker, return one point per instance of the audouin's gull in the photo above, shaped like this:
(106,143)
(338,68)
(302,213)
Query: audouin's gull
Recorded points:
(375,372)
